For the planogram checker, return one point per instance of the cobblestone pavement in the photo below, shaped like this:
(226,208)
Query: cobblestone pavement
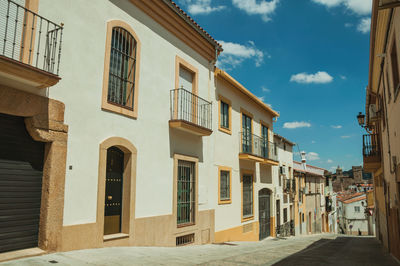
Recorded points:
(306,250)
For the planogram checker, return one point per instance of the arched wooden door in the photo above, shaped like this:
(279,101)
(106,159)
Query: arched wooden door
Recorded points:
(264,207)
(113,196)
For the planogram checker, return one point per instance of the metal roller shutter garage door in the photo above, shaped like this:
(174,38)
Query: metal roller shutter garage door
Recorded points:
(21,167)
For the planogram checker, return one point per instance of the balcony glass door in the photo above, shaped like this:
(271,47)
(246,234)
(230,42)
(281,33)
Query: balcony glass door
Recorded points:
(247,134)
(264,142)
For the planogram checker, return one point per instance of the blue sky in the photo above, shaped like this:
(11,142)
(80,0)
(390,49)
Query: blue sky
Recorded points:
(308,59)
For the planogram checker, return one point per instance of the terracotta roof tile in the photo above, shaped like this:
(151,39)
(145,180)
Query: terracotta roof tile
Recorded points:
(195,23)
(354,200)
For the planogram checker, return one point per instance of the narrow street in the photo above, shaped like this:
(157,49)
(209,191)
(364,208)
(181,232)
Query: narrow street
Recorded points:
(306,250)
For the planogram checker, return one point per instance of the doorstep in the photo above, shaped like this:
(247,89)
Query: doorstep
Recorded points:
(19,254)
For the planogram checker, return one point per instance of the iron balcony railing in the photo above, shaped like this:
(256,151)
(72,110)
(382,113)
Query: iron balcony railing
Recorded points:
(29,38)
(286,185)
(371,146)
(258,146)
(186,106)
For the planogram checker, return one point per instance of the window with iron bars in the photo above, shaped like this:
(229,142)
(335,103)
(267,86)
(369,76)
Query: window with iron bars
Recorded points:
(121,82)
(247,196)
(224,185)
(186,197)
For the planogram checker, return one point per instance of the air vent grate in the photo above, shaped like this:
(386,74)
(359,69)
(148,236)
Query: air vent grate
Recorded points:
(184,240)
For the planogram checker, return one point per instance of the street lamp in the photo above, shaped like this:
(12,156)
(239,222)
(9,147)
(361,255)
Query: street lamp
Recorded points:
(361,121)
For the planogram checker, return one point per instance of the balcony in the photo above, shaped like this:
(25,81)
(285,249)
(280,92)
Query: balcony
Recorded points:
(371,152)
(30,47)
(293,186)
(190,113)
(286,185)
(257,149)
(328,204)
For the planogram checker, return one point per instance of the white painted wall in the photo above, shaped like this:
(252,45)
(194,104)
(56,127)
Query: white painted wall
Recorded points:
(285,157)
(81,70)
(227,154)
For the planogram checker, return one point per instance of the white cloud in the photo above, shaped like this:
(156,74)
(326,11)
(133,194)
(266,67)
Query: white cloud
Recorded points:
(265,89)
(348,25)
(234,54)
(262,98)
(313,142)
(359,7)
(329,161)
(293,125)
(345,137)
(332,169)
(257,7)
(204,7)
(319,77)
(343,77)
(337,127)
(364,25)
(312,156)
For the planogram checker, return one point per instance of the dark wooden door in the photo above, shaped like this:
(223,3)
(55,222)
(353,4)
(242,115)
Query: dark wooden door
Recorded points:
(264,213)
(21,171)
(113,196)
(278,213)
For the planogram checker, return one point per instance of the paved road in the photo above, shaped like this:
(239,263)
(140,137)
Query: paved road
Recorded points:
(307,250)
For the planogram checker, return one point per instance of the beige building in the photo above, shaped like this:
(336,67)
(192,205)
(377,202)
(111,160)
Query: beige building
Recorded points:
(381,149)
(310,199)
(246,158)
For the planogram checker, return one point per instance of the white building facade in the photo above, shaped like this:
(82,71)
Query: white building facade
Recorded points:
(245,157)
(129,132)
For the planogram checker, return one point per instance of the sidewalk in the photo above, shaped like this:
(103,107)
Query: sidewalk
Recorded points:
(266,252)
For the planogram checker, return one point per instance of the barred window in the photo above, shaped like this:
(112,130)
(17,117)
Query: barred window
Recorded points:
(224,190)
(186,198)
(247,196)
(121,82)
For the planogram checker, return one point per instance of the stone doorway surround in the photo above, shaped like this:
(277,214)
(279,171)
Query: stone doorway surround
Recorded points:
(44,121)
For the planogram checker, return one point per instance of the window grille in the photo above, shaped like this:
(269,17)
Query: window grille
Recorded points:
(247,196)
(224,115)
(121,82)
(184,240)
(224,189)
(357,208)
(186,192)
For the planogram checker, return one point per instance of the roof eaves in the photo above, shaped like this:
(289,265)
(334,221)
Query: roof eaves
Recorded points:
(220,73)
(193,24)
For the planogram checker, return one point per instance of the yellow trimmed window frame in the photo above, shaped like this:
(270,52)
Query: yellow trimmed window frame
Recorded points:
(247,173)
(220,199)
(222,99)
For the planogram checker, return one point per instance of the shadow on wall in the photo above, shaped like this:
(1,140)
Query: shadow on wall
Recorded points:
(341,251)
(184,143)
(137,14)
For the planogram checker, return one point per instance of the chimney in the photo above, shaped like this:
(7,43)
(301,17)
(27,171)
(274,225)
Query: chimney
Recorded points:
(303,160)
